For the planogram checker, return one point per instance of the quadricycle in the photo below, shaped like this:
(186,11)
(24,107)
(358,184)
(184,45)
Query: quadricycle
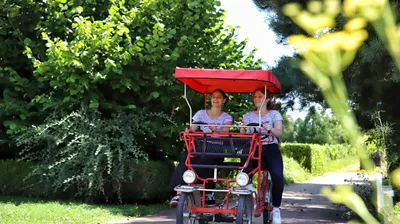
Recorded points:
(237,203)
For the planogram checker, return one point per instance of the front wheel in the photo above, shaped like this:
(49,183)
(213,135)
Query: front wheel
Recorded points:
(184,209)
(244,210)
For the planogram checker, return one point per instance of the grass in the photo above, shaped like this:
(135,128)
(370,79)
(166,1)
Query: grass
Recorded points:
(340,163)
(27,210)
(293,172)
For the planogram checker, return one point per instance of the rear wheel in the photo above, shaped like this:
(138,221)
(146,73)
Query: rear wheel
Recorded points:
(267,196)
(244,210)
(184,209)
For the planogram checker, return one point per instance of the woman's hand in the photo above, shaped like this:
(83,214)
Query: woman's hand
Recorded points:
(212,128)
(267,126)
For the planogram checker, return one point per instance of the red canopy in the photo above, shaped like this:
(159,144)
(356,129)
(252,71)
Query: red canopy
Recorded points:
(230,81)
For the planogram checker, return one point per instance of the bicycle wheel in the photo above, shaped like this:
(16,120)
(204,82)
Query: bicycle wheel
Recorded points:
(184,209)
(244,210)
(267,219)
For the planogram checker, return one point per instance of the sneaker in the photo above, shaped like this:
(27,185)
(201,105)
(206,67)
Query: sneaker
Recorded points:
(249,187)
(276,216)
(210,200)
(174,201)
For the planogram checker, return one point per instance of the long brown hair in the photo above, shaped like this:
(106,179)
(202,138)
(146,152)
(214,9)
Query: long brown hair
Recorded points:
(270,106)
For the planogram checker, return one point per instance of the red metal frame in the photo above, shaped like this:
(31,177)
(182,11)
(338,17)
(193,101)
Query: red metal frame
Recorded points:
(189,137)
(230,81)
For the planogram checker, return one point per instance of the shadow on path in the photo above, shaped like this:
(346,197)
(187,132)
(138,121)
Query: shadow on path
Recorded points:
(301,203)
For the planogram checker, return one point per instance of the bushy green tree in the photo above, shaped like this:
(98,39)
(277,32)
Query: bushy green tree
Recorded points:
(318,127)
(110,56)
(114,57)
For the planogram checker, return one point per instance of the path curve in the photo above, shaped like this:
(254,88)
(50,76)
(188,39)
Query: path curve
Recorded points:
(302,203)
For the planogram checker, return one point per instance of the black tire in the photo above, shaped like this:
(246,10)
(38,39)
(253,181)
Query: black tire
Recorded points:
(244,210)
(268,203)
(186,201)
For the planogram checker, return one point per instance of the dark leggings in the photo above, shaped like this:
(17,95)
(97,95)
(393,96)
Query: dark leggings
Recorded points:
(176,178)
(271,159)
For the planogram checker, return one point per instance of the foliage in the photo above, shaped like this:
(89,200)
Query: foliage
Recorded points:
(315,157)
(371,80)
(326,52)
(17,210)
(150,182)
(82,151)
(397,209)
(110,56)
(12,174)
(319,128)
(293,172)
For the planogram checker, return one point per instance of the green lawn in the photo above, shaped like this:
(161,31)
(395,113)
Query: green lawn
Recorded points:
(26,210)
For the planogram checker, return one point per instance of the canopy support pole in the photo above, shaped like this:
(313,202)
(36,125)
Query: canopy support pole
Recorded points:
(259,111)
(188,103)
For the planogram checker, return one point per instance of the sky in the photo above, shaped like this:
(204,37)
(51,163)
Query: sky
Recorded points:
(253,26)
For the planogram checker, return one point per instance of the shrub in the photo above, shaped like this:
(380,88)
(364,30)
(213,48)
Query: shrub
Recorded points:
(150,182)
(299,152)
(12,175)
(87,154)
(313,157)
(397,209)
(293,171)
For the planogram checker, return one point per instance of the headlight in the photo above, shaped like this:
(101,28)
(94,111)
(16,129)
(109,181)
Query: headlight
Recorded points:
(242,179)
(189,176)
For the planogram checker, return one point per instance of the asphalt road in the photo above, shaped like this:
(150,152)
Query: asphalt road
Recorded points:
(302,203)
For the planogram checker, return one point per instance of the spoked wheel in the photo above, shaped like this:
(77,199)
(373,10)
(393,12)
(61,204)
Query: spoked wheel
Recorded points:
(244,210)
(266,193)
(184,209)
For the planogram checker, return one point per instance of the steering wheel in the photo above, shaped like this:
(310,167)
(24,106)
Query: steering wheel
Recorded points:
(253,125)
(198,122)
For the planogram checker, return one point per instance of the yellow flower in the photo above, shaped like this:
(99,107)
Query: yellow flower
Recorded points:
(369,9)
(396,177)
(355,24)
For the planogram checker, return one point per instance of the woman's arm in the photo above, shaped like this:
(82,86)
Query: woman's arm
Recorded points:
(277,130)
(243,130)
(227,129)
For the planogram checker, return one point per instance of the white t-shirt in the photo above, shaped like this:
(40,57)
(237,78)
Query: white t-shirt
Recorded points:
(202,116)
(271,117)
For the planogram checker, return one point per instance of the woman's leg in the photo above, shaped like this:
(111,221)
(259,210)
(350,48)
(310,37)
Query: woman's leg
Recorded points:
(176,178)
(272,158)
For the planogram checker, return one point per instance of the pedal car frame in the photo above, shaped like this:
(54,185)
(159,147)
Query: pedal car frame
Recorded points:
(245,146)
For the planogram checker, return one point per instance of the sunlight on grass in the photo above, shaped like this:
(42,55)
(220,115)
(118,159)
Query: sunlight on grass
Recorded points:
(25,210)
(293,171)
(336,165)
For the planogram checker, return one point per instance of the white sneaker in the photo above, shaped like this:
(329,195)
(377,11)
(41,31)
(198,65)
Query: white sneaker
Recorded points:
(249,187)
(276,216)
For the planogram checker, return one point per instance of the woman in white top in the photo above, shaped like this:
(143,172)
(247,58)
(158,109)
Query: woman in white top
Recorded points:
(271,157)
(213,116)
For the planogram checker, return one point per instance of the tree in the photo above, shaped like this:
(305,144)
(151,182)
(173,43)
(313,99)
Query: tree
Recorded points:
(372,79)
(318,128)
(115,60)
(110,56)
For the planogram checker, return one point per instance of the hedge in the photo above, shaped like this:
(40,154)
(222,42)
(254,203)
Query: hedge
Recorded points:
(150,185)
(313,157)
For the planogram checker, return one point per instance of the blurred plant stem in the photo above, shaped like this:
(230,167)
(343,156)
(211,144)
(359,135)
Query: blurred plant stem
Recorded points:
(326,54)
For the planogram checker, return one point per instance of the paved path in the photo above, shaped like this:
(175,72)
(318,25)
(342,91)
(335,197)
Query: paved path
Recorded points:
(302,203)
